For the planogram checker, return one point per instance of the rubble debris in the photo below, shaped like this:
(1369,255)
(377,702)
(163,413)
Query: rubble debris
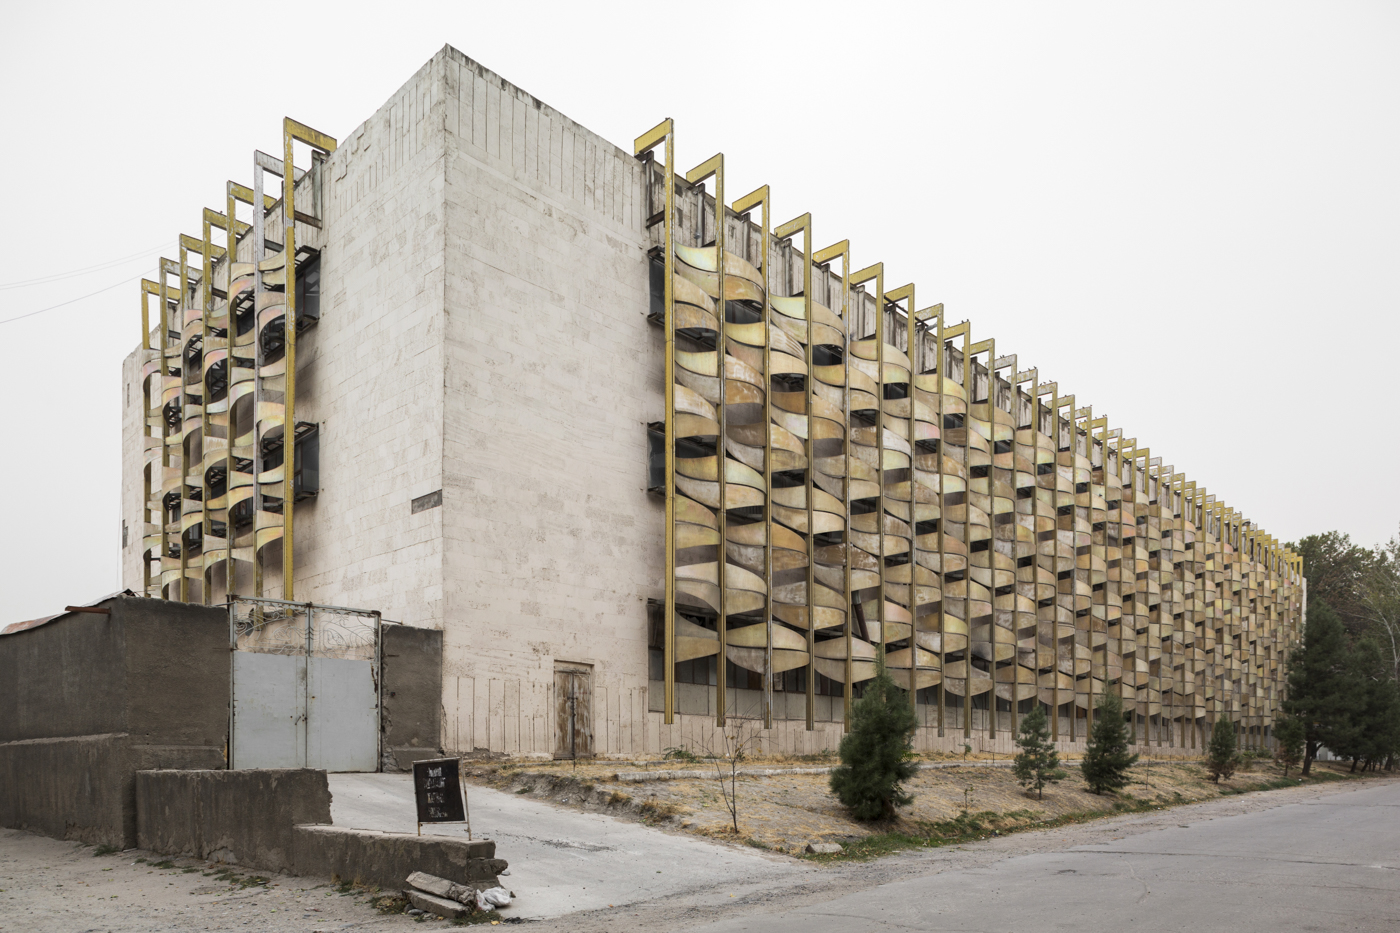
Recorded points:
(440,906)
(492,898)
(441,887)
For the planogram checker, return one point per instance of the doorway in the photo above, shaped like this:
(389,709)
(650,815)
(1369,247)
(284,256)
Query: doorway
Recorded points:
(573,710)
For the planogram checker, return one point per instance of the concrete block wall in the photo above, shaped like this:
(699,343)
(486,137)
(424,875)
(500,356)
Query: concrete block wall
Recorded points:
(552,545)
(371,371)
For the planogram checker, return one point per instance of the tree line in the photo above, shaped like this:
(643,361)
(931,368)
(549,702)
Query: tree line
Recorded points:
(1344,678)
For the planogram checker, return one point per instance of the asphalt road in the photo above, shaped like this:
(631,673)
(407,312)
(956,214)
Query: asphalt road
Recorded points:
(1330,862)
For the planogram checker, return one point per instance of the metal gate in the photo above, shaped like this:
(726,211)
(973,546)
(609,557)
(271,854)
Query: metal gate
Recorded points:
(304,682)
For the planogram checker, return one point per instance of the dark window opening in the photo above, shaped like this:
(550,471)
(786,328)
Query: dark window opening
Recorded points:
(308,292)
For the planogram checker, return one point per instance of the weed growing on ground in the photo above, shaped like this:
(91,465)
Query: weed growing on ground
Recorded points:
(485,916)
(618,798)
(390,904)
(231,877)
(680,754)
(105,849)
(655,811)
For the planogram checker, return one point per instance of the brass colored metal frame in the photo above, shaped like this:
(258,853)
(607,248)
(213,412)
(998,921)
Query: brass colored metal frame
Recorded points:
(663,134)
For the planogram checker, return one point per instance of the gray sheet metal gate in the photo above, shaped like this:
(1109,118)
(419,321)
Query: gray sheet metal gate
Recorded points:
(304,682)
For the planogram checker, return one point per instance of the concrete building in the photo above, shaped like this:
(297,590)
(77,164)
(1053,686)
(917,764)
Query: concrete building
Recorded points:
(505,400)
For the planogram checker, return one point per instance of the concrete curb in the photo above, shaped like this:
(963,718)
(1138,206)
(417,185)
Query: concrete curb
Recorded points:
(637,777)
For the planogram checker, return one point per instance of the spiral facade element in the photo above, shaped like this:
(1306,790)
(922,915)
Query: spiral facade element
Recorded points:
(219,382)
(851,479)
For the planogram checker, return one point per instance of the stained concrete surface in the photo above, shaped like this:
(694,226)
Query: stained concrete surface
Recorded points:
(562,860)
(1326,863)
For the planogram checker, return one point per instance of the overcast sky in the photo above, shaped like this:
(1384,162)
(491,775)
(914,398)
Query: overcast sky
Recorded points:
(1186,213)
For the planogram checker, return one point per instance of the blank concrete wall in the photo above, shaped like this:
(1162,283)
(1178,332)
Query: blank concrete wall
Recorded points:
(551,544)
(242,817)
(86,700)
(412,695)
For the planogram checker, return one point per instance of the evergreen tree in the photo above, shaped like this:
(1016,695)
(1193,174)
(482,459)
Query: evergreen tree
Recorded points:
(1106,760)
(1371,730)
(1288,736)
(1320,694)
(876,756)
(1221,756)
(1337,571)
(1037,764)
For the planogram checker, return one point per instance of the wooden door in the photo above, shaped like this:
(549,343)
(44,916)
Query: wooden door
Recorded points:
(573,712)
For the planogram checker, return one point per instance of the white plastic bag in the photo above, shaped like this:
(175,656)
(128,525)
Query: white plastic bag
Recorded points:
(492,898)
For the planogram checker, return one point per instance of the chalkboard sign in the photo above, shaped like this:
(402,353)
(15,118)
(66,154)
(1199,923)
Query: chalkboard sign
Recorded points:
(438,789)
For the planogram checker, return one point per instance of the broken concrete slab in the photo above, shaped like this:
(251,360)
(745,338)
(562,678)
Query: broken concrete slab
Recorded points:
(437,905)
(386,859)
(441,887)
(823,848)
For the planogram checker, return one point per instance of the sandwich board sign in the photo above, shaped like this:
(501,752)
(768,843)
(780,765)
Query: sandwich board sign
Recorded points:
(438,792)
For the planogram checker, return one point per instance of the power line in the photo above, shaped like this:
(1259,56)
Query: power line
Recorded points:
(57,276)
(79,298)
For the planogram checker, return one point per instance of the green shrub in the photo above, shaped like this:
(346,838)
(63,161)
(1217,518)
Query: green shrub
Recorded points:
(876,756)
(1037,764)
(1221,757)
(1106,760)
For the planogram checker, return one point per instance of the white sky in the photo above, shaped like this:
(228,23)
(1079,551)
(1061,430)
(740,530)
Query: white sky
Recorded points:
(1186,213)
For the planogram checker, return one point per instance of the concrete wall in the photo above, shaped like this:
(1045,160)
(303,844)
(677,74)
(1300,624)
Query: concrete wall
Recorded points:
(372,370)
(387,859)
(278,820)
(87,699)
(242,817)
(551,543)
(412,695)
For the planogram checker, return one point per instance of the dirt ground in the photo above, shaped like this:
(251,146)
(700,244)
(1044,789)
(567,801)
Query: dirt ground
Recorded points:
(55,885)
(786,812)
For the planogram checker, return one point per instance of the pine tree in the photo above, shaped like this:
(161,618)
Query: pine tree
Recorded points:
(1106,760)
(1288,737)
(1370,733)
(1320,692)
(1037,764)
(876,756)
(1221,756)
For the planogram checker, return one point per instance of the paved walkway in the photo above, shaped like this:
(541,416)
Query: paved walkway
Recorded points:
(563,860)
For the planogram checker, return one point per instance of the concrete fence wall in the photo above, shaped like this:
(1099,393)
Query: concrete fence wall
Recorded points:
(89,699)
(242,817)
(275,820)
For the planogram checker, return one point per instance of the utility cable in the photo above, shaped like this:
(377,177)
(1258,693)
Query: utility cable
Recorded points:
(79,298)
(57,276)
